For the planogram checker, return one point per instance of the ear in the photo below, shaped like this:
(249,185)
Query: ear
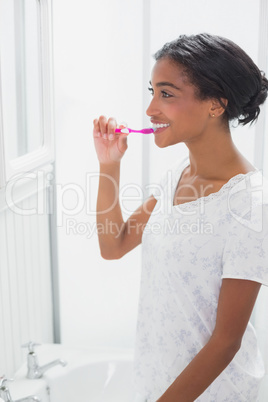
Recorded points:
(218,107)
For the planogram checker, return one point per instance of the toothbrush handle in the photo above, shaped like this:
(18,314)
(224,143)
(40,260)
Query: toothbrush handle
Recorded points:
(127,130)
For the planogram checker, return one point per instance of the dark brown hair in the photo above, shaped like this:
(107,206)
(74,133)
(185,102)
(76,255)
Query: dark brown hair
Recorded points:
(220,69)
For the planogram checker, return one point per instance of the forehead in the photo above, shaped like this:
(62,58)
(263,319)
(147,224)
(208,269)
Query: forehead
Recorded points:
(166,70)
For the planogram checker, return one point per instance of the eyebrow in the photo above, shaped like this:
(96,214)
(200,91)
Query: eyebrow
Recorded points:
(166,84)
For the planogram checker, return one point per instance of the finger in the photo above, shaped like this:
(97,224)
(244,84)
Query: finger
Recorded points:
(96,128)
(111,128)
(103,124)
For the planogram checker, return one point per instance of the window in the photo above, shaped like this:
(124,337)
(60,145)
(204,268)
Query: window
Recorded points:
(26,86)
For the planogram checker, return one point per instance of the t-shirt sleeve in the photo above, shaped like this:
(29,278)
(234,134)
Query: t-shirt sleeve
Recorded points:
(246,251)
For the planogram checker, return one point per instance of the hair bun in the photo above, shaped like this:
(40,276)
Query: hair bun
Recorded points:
(252,110)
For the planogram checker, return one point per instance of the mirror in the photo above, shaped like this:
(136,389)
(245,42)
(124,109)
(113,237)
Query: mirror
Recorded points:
(21,81)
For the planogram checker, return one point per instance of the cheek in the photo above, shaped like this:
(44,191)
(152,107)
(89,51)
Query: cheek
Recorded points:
(193,113)
(189,122)
(182,109)
(174,112)
(184,117)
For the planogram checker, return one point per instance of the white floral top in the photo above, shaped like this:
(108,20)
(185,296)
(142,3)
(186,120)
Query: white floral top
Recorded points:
(187,250)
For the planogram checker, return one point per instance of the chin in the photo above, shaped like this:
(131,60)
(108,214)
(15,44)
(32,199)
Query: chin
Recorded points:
(161,144)
(165,144)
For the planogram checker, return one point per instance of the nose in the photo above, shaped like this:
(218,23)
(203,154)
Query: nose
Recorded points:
(153,109)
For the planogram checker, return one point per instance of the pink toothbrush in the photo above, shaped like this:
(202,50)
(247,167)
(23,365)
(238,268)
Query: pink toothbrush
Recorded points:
(129,130)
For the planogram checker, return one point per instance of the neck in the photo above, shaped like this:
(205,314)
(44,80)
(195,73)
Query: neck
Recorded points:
(215,156)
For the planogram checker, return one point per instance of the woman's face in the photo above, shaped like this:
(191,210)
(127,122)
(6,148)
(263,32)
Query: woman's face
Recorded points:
(175,104)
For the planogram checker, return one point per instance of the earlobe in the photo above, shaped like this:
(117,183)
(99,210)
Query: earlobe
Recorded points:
(218,107)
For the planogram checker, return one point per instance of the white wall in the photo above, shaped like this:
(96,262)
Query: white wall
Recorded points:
(99,70)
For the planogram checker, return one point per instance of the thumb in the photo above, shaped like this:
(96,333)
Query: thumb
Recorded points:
(122,143)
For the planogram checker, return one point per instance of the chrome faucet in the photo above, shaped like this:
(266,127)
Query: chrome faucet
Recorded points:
(5,393)
(34,370)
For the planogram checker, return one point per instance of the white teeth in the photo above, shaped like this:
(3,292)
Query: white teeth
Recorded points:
(156,125)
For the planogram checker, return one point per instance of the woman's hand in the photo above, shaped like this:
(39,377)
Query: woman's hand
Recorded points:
(110,146)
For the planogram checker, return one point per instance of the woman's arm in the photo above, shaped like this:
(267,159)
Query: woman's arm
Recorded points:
(236,302)
(116,237)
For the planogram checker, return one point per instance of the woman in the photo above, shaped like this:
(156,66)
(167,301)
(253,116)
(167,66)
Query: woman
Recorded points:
(202,270)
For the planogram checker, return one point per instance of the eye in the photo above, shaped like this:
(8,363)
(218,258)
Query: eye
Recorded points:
(165,94)
(151,90)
